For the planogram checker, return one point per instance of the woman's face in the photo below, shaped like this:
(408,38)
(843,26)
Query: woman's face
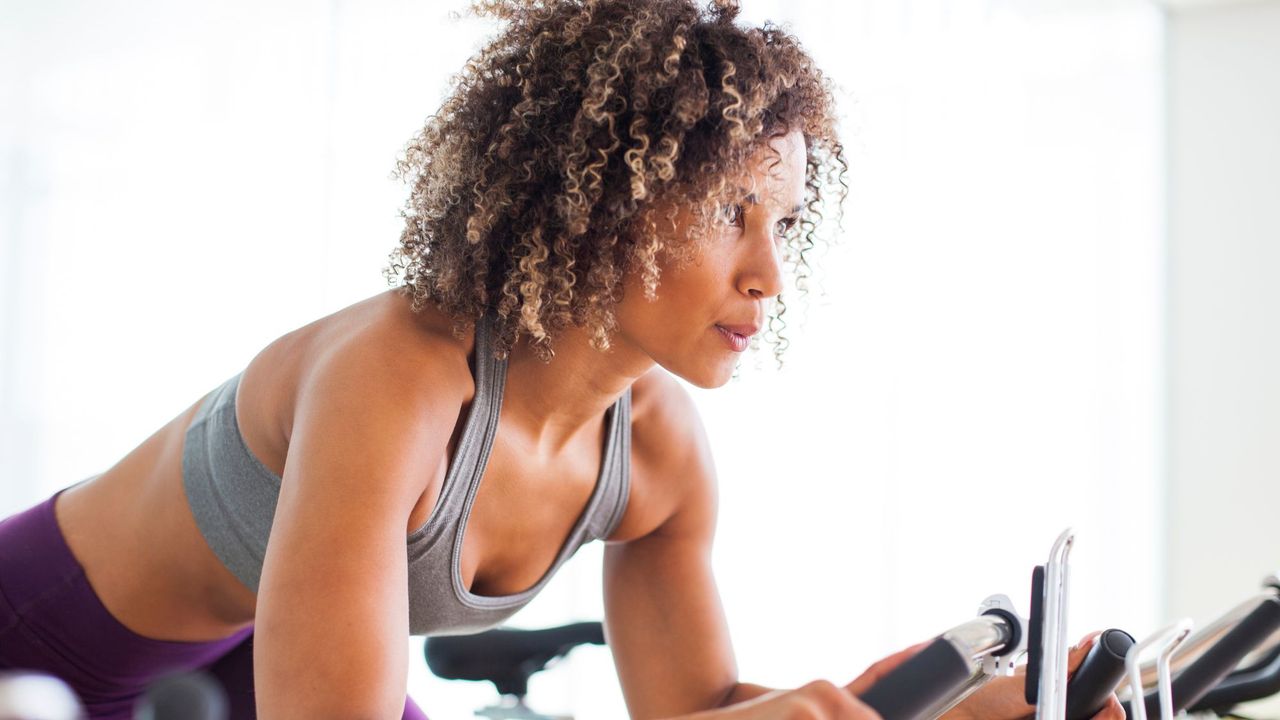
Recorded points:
(708,307)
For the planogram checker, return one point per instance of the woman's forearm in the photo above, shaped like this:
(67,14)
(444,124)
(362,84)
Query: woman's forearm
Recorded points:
(743,692)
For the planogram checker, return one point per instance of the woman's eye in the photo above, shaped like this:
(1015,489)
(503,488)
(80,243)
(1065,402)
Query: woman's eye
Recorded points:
(785,225)
(732,213)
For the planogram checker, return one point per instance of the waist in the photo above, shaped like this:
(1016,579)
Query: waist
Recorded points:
(138,545)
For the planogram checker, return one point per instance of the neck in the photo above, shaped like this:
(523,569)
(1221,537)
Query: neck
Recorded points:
(555,401)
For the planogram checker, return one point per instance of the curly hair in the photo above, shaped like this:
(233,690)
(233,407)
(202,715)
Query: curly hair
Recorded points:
(570,138)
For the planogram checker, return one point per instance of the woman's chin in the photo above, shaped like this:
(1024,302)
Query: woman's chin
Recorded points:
(705,366)
(707,377)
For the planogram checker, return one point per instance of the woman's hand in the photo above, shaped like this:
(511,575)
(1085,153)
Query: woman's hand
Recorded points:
(818,700)
(1003,698)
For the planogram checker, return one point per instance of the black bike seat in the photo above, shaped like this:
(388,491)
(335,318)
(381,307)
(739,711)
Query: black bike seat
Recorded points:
(506,657)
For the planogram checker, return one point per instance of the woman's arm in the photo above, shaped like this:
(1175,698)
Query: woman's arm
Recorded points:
(743,692)
(332,611)
(664,620)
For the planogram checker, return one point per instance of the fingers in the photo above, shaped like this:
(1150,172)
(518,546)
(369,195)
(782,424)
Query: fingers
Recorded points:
(1111,711)
(880,668)
(1077,653)
(1087,640)
(823,700)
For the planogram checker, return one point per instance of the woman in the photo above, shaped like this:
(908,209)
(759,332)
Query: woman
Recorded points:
(610,197)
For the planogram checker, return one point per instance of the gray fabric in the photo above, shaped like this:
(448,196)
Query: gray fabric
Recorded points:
(233,497)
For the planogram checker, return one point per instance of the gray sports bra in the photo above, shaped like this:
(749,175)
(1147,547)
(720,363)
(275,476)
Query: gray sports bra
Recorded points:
(233,497)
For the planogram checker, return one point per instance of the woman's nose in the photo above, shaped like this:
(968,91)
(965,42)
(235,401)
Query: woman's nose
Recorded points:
(762,276)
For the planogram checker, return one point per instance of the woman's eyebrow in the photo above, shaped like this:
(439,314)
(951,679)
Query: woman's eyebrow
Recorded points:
(752,199)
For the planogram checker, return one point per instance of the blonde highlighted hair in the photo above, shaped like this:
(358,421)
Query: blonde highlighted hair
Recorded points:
(556,164)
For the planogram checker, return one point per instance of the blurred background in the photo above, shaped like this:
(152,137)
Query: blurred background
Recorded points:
(1051,303)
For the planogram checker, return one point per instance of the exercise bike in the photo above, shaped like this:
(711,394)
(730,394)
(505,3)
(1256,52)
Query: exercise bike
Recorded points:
(958,661)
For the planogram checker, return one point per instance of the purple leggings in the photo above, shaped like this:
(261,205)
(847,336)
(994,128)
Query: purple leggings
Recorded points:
(52,621)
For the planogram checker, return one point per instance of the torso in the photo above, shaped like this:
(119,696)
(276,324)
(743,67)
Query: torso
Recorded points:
(172,586)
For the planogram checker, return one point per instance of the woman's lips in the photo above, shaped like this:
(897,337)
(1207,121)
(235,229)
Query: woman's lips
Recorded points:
(738,341)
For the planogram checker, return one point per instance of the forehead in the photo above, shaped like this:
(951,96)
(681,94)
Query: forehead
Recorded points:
(776,173)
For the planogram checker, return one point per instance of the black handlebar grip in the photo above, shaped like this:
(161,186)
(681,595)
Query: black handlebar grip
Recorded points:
(1218,661)
(1098,675)
(1252,683)
(919,683)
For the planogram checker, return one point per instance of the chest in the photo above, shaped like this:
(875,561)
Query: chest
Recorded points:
(523,510)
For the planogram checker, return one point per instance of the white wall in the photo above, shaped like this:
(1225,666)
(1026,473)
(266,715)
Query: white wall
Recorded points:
(1224,304)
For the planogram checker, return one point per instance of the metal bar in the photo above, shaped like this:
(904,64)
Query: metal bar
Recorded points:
(1168,639)
(1052,696)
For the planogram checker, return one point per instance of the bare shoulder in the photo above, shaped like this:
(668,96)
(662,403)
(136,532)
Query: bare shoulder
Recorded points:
(664,418)
(383,388)
(673,476)
(385,352)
